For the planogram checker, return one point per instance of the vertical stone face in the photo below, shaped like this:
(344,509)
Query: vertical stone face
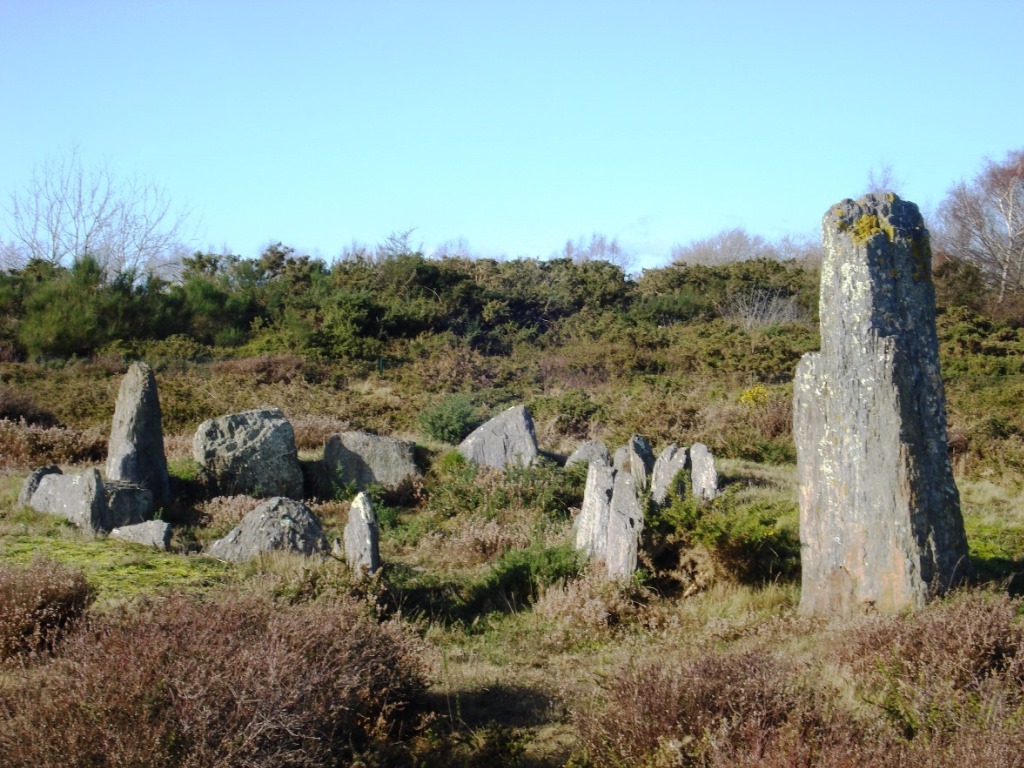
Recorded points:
(135,453)
(637,458)
(703,474)
(591,526)
(362,551)
(880,521)
(670,462)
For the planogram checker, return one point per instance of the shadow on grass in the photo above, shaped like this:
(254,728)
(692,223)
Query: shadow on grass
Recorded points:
(1002,572)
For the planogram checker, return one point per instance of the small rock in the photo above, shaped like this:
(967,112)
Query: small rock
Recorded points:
(508,438)
(31,484)
(152,533)
(276,525)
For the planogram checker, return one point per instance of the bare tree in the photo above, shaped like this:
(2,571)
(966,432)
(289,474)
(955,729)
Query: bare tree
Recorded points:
(982,223)
(598,248)
(728,246)
(881,178)
(67,212)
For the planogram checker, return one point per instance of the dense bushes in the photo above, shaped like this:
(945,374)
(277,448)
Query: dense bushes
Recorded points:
(39,604)
(243,682)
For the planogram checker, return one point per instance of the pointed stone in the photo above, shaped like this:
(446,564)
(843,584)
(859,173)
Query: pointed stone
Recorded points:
(135,453)
(276,525)
(508,438)
(625,524)
(590,452)
(362,535)
(637,458)
(880,522)
(703,474)
(665,478)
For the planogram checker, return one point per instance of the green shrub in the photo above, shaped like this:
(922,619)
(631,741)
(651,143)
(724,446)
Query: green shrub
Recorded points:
(39,604)
(451,420)
(520,575)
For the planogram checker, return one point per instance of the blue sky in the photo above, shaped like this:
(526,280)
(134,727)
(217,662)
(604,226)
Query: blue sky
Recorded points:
(512,125)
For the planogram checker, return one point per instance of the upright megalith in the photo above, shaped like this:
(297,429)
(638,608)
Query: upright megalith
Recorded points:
(590,452)
(703,473)
(880,522)
(135,453)
(508,438)
(665,476)
(637,458)
(362,551)
(611,520)
(591,524)
(363,460)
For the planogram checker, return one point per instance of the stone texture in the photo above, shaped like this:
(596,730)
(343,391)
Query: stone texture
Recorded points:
(880,522)
(251,452)
(590,452)
(152,533)
(31,484)
(127,503)
(591,524)
(625,524)
(362,459)
(276,525)
(637,458)
(506,439)
(703,475)
(77,498)
(135,453)
(362,552)
(665,476)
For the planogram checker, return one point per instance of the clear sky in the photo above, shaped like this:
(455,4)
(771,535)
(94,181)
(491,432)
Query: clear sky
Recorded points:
(513,125)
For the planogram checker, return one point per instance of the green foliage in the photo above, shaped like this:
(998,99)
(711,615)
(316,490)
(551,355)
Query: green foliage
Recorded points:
(450,420)
(518,577)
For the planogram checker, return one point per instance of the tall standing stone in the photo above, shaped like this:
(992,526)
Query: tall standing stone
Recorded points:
(703,473)
(664,479)
(880,522)
(625,524)
(362,551)
(135,453)
(591,526)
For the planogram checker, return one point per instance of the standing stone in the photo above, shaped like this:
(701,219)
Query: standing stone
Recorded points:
(625,524)
(880,522)
(703,474)
(664,478)
(590,452)
(508,438)
(363,460)
(251,452)
(276,525)
(362,551)
(135,453)
(637,458)
(591,525)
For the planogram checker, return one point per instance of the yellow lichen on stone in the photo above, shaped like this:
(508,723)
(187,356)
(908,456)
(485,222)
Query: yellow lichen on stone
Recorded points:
(868,225)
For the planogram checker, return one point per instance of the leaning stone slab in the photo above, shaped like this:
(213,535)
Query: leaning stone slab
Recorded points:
(127,503)
(135,453)
(31,484)
(703,474)
(590,452)
(625,524)
(880,522)
(77,498)
(362,551)
(363,460)
(251,453)
(508,438)
(637,458)
(152,533)
(591,524)
(665,477)
(276,525)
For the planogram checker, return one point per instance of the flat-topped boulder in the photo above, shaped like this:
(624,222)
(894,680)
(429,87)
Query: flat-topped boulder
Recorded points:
(364,460)
(507,439)
(880,522)
(135,452)
(152,533)
(252,453)
(276,525)
(77,498)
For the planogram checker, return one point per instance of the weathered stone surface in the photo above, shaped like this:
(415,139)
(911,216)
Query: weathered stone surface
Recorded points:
(152,533)
(361,536)
(703,475)
(625,524)
(78,498)
(590,452)
(251,452)
(880,521)
(135,453)
(276,525)
(506,439)
(127,503)
(637,458)
(31,484)
(591,524)
(362,459)
(670,462)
